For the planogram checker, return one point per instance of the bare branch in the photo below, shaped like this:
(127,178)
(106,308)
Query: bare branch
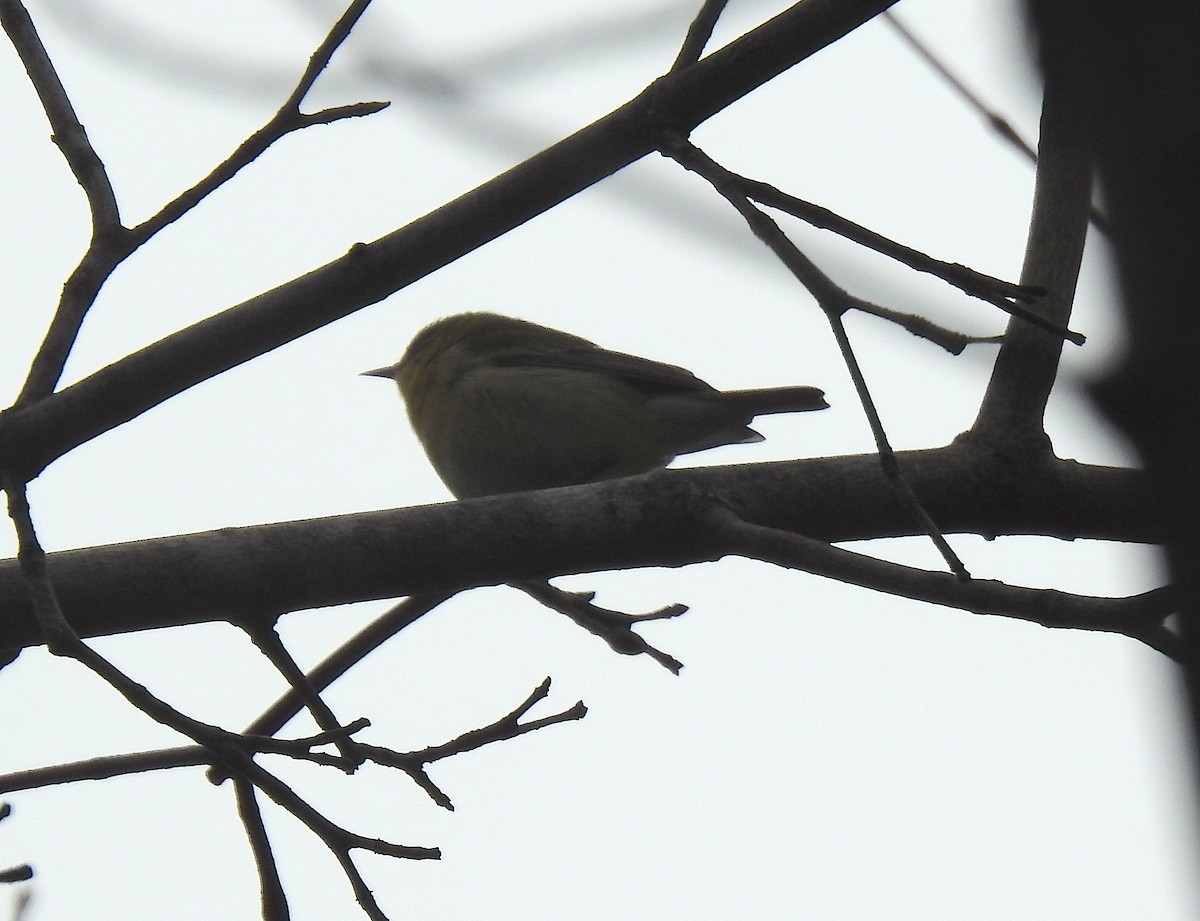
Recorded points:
(647,520)
(1027,365)
(289,118)
(998,122)
(32,437)
(950,340)
(342,659)
(1139,616)
(1002,294)
(834,302)
(887,456)
(614,627)
(274,899)
(104,767)
(698,34)
(266,638)
(69,134)
(977,284)
(505,728)
(111,242)
(320,58)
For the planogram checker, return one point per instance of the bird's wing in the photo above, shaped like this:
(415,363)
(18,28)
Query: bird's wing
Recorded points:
(638,371)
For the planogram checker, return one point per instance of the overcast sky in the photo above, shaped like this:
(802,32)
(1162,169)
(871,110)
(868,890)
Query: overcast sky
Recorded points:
(827,753)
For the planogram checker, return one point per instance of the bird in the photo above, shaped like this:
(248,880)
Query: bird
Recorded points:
(503,405)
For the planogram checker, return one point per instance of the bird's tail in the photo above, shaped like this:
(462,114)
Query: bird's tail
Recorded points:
(778,400)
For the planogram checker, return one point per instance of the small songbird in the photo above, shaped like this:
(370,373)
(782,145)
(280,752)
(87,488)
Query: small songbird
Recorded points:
(503,405)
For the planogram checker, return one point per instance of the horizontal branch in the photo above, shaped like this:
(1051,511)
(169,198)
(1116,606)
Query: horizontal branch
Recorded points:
(1139,616)
(659,519)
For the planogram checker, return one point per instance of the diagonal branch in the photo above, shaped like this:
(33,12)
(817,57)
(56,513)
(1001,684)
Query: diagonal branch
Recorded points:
(68,133)
(1003,294)
(289,118)
(111,241)
(698,34)
(833,301)
(34,436)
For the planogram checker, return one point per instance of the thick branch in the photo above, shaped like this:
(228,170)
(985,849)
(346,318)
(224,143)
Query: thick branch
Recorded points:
(654,520)
(1027,365)
(1131,71)
(32,437)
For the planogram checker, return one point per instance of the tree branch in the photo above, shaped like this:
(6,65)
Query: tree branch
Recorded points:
(698,34)
(1015,401)
(652,520)
(111,241)
(834,301)
(69,133)
(32,437)
(1138,616)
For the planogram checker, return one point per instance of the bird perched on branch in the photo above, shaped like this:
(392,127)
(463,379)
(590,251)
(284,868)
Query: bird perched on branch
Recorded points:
(503,405)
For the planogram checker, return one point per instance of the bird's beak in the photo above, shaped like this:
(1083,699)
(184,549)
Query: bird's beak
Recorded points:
(388,372)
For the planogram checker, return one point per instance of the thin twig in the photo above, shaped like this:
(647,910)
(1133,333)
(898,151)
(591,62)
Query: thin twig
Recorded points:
(887,455)
(342,659)
(834,301)
(995,120)
(503,729)
(1001,125)
(272,894)
(31,559)
(1140,616)
(111,242)
(68,133)
(338,662)
(263,634)
(968,280)
(289,118)
(951,340)
(698,34)
(614,627)
(997,292)
(507,727)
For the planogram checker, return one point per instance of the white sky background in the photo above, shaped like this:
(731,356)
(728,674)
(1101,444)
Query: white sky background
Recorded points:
(827,753)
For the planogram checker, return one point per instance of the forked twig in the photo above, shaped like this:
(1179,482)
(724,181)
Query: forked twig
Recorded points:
(111,241)
(834,301)
(614,627)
